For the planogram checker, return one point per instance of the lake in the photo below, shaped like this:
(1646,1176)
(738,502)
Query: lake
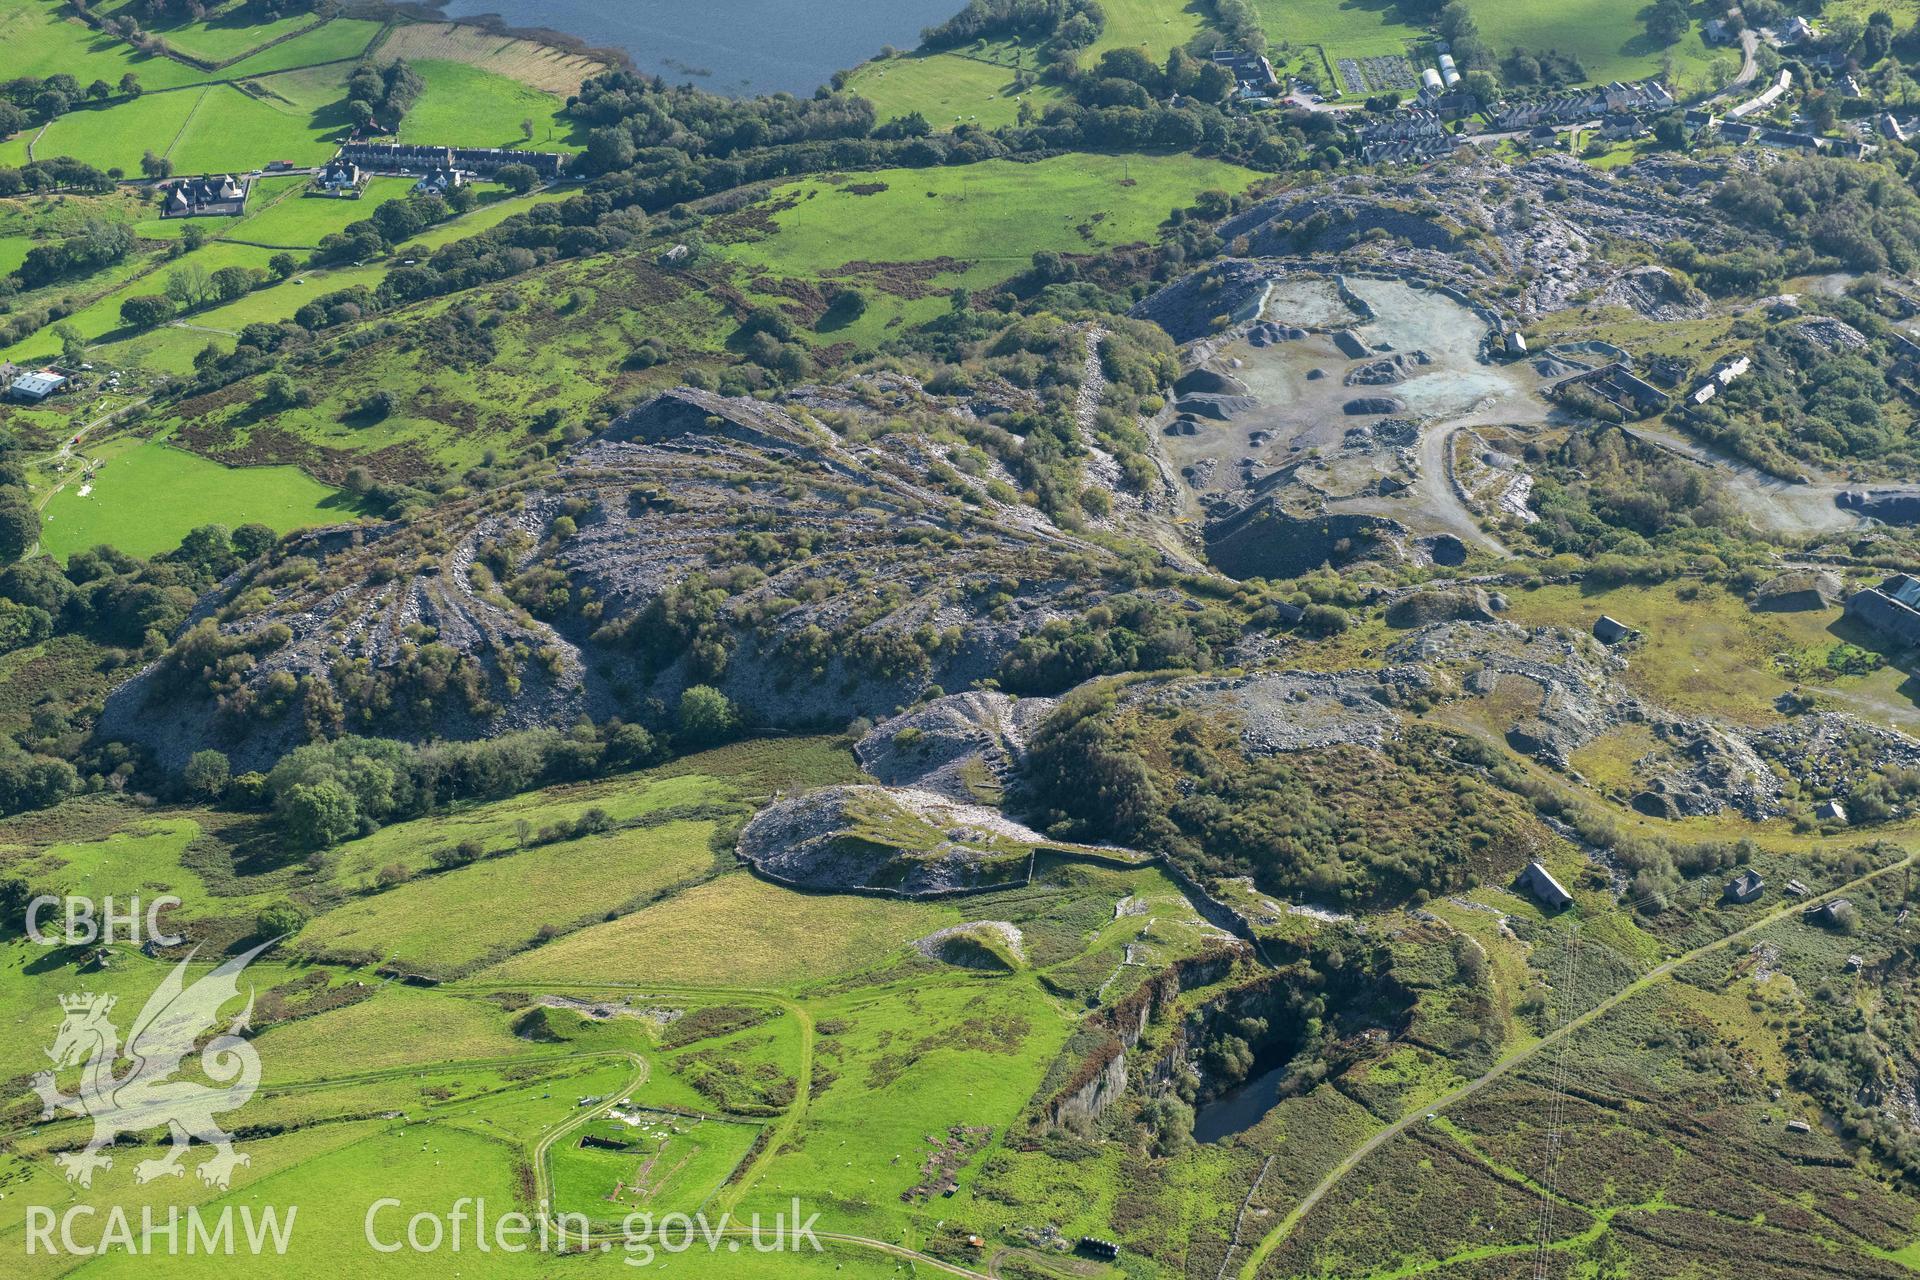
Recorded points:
(1239,1108)
(731,46)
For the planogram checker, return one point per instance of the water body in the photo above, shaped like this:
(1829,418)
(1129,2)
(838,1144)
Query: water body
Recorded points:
(1239,1108)
(741,47)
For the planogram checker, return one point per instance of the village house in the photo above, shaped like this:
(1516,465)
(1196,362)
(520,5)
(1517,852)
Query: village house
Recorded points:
(1252,74)
(1744,887)
(441,181)
(221,197)
(393,157)
(341,178)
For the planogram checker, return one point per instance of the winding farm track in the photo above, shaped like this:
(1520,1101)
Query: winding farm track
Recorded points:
(1659,973)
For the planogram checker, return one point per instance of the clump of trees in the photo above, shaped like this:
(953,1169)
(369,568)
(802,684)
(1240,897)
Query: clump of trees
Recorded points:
(378,95)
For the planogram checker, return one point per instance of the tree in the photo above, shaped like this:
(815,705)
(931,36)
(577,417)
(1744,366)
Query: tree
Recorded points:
(99,91)
(73,343)
(318,815)
(457,855)
(144,310)
(188,285)
(130,86)
(705,716)
(19,524)
(207,774)
(282,265)
(1667,21)
(281,920)
(1670,131)
(517,178)
(253,540)
(278,392)
(526,130)
(230,283)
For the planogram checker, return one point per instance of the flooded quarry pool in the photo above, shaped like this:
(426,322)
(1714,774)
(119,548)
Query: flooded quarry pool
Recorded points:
(1322,423)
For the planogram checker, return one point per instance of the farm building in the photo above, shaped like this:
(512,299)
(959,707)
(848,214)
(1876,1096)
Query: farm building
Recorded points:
(36,386)
(1540,882)
(1744,887)
(1618,386)
(1892,608)
(1830,914)
(221,197)
(1610,630)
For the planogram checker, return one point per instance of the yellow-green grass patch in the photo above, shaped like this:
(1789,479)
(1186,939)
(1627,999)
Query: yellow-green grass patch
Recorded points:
(443,923)
(533,64)
(734,931)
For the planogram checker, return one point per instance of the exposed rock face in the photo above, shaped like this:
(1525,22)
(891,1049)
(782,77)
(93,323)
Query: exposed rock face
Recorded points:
(889,840)
(1655,293)
(1463,604)
(537,605)
(1374,404)
(959,746)
(1387,370)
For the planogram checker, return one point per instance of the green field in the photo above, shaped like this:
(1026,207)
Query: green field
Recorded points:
(465,106)
(117,136)
(221,36)
(1607,36)
(41,40)
(340,40)
(282,215)
(795,937)
(971,225)
(146,499)
(973,87)
(445,922)
(231,130)
(977,84)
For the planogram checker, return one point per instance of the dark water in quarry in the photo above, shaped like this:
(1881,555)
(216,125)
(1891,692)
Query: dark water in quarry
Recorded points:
(1239,1108)
(730,46)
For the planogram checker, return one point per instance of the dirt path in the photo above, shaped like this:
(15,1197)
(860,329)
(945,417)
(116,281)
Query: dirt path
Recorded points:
(1776,505)
(1650,978)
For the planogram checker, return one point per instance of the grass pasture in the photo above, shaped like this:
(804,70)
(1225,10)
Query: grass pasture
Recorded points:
(975,86)
(667,1163)
(116,136)
(735,930)
(337,41)
(42,39)
(146,499)
(969,226)
(231,130)
(470,106)
(441,924)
